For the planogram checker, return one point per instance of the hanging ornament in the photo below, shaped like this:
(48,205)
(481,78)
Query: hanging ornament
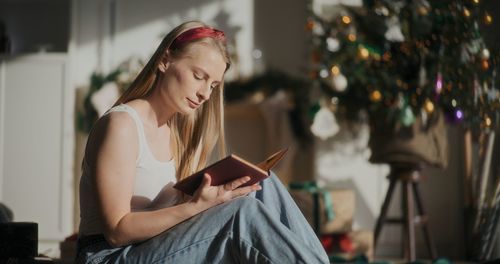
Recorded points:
(338,80)
(363,52)
(324,124)
(439,83)
(318,30)
(423,7)
(332,44)
(485,53)
(375,96)
(459,114)
(346,19)
(310,24)
(488,19)
(394,32)
(323,73)
(466,12)
(381,10)
(428,106)
(485,65)
(407,117)
(474,46)
(487,121)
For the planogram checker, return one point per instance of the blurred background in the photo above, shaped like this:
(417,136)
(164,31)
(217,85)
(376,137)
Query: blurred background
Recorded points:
(366,94)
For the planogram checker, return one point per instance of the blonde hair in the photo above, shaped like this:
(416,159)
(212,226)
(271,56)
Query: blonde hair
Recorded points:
(195,135)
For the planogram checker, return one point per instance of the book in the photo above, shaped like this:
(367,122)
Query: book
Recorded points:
(231,168)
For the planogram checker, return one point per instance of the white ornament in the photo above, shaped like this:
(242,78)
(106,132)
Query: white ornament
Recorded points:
(394,32)
(339,82)
(318,29)
(323,73)
(333,44)
(382,11)
(324,124)
(104,99)
(485,54)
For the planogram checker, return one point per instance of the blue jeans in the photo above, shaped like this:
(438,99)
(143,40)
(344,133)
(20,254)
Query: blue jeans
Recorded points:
(264,227)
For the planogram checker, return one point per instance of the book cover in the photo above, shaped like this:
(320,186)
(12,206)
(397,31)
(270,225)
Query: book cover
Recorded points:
(231,168)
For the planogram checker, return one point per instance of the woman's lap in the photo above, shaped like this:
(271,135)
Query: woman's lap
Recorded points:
(261,228)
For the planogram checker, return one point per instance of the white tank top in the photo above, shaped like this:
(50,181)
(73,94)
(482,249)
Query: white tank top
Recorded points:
(153,180)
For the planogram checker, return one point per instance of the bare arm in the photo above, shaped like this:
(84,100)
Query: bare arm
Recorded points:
(115,148)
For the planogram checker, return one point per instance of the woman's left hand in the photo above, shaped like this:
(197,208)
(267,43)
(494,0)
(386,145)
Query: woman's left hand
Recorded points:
(207,196)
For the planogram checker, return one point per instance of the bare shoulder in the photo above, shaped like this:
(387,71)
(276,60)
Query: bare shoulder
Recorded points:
(116,132)
(115,124)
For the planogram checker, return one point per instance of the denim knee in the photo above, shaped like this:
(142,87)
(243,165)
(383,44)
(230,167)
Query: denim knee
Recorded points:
(248,204)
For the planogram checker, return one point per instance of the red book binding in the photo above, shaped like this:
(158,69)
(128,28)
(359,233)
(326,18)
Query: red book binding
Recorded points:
(231,168)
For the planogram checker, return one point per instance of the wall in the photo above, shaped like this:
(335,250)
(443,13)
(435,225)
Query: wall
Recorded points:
(109,32)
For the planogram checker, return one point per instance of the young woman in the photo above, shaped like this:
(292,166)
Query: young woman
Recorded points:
(162,129)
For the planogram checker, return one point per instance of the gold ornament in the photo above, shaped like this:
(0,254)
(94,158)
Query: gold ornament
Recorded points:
(488,19)
(487,121)
(335,70)
(363,52)
(423,10)
(428,106)
(375,96)
(351,37)
(346,19)
(466,12)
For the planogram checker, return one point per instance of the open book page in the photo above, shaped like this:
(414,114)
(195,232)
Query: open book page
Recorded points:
(228,169)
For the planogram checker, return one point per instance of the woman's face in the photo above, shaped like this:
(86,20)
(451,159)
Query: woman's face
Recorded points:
(189,80)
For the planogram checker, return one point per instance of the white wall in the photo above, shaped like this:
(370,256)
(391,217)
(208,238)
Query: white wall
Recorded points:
(109,32)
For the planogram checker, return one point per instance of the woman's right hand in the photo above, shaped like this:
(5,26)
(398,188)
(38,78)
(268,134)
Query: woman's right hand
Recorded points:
(207,196)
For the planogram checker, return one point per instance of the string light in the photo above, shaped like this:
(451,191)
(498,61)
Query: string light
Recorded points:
(363,52)
(439,83)
(351,37)
(488,19)
(466,12)
(346,20)
(375,96)
(335,70)
(428,106)
(487,121)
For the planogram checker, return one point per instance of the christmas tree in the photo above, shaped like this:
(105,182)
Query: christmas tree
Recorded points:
(403,59)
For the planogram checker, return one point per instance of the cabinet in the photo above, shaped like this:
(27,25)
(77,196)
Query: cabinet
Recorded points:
(36,137)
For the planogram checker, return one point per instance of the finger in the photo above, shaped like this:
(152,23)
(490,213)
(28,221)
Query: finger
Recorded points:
(207,180)
(245,190)
(236,183)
